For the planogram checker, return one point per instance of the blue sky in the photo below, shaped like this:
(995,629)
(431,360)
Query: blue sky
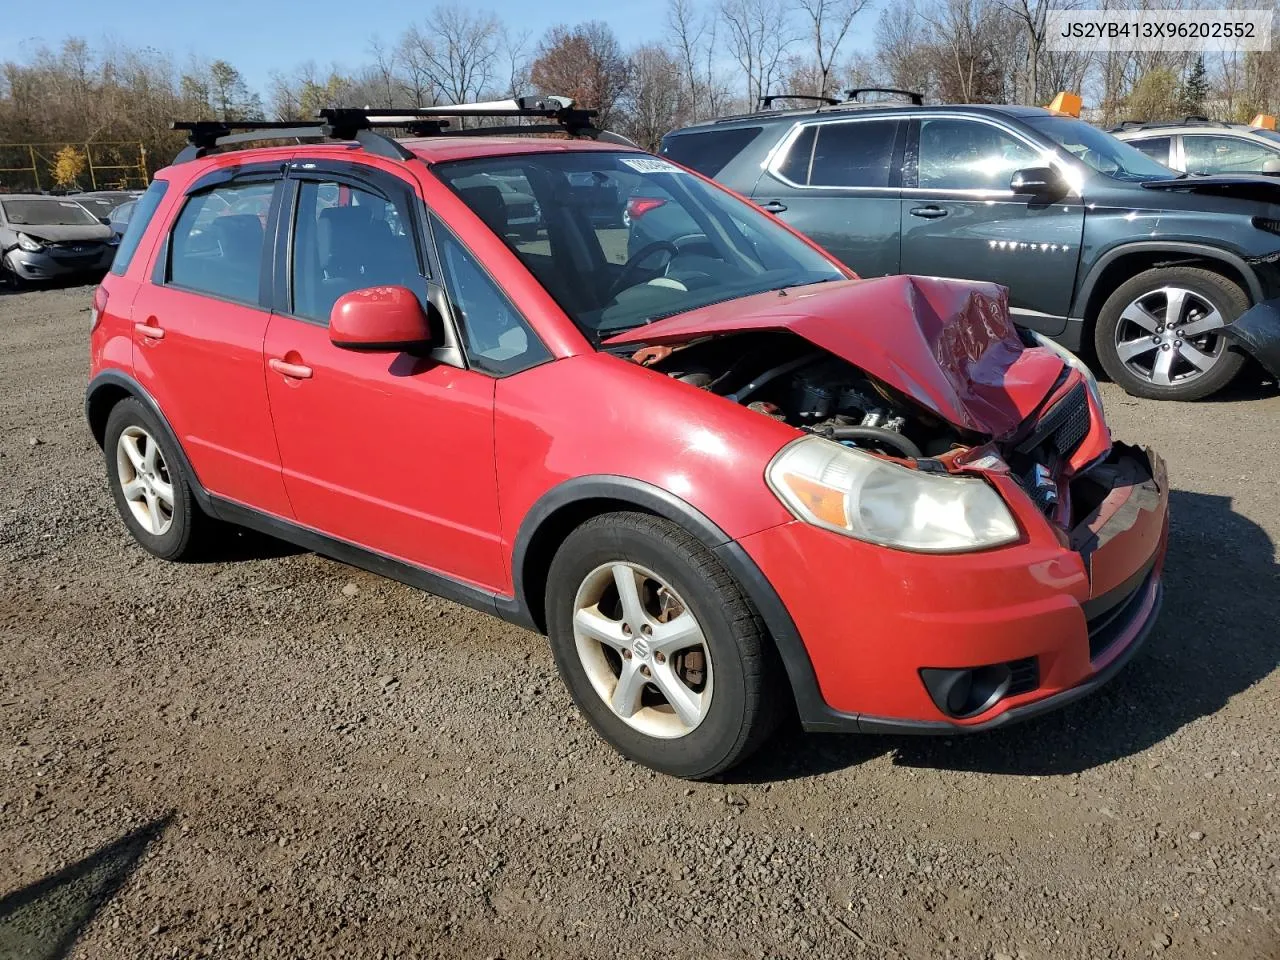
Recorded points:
(260,36)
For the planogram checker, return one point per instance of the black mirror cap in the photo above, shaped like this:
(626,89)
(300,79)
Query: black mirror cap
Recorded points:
(1037,182)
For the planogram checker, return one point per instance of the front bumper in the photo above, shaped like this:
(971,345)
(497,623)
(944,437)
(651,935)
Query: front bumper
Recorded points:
(871,618)
(1257,332)
(43,265)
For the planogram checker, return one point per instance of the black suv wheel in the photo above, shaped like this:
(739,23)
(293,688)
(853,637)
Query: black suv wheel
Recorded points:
(1159,335)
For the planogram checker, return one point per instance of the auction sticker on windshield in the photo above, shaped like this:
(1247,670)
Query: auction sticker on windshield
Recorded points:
(650,165)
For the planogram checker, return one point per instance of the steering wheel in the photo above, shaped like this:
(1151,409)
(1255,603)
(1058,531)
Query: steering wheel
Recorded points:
(634,261)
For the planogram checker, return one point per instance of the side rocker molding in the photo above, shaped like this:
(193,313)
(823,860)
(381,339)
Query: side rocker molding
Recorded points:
(813,710)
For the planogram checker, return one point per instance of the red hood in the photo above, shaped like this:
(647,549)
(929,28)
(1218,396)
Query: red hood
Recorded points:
(949,344)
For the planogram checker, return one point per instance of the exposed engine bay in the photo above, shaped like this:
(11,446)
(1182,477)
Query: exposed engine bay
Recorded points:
(783,376)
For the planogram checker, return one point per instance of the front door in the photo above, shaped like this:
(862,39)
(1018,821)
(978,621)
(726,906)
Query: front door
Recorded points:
(836,181)
(388,451)
(199,326)
(960,219)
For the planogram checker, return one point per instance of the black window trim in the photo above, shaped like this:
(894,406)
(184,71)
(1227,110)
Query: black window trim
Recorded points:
(476,363)
(256,173)
(778,156)
(161,186)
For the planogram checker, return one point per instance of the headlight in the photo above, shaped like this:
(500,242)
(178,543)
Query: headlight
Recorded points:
(29,244)
(860,495)
(1071,360)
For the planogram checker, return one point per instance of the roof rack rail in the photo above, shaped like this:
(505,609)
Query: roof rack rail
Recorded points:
(917,99)
(766,102)
(361,124)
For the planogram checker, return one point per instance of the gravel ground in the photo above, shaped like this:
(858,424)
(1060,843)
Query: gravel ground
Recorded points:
(276,755)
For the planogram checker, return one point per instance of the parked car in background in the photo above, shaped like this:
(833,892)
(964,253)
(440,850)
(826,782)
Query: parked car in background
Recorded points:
(1099,245)
(44,238)
(118,219)
(102,203)
(1199,146)
(724,475)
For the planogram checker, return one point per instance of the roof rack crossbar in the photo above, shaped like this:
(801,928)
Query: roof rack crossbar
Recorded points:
(917,99)
(766,102)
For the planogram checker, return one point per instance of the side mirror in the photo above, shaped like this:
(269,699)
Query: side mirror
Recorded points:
(105,221)
(1037,182)
(1271,165)
(380,318)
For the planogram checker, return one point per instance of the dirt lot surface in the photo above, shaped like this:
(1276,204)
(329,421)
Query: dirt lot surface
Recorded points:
(275,755)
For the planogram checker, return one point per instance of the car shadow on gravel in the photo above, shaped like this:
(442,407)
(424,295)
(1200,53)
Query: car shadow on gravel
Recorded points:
(236,544)
(43,920)
(1215,638)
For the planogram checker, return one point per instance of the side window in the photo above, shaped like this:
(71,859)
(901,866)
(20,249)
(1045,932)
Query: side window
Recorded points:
(857,154)
(795,166)
(1224,155)
(216,246)
(344,239)
(497,338)
(708,152)
(141,212)
(1157,148)
(957,154)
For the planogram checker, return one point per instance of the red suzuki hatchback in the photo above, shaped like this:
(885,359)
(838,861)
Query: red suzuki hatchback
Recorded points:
(727,478)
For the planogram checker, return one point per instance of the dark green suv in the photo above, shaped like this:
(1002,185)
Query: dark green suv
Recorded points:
(1098,244)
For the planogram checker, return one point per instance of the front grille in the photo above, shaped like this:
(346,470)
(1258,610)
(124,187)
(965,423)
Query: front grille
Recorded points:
(1024,676)
(1111,624)
(1063,427)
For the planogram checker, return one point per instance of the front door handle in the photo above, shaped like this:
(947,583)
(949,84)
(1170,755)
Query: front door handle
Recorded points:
(772,206)
(150,330)
(296,371)
(928,213)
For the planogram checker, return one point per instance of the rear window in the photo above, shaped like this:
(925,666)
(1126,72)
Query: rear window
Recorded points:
(708,152)
(143,210)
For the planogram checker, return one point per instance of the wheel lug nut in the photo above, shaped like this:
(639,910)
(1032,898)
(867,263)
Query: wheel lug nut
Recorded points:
(626,654)
(645,671)
(1164,346)
(1155,339)
(646,630)
(626,629)
(1177,343)
(660,657)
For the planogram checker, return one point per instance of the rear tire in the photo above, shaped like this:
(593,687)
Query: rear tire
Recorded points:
(150,486)
(1159,334)
(687,682)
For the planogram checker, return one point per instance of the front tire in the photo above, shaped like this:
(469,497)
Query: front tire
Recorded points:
(659,646)
(1159,335)
(149,484)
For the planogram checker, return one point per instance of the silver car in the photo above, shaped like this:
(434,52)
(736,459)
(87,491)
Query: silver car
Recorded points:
(1202,146)
(46,238)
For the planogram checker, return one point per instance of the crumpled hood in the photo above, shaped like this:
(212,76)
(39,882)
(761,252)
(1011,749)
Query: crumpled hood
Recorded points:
(948,344)
(55,233)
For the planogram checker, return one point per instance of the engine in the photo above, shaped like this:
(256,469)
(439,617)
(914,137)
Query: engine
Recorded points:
(788,379)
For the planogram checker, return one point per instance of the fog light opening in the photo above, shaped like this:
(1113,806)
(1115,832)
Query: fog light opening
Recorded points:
(966,692)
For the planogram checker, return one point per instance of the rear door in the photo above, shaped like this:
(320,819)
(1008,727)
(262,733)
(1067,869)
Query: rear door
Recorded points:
(960,219)
(199,326)
(838,181)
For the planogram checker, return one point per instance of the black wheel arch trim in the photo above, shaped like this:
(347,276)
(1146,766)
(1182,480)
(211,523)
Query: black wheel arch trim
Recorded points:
(118,379)
(810,705)
(1172,247)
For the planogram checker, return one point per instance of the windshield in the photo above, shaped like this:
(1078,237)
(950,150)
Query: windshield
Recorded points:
(1101,151)
(623,239)
(41,212)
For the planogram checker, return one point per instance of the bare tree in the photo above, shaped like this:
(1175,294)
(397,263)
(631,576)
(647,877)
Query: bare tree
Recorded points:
(654,106)
(759,33)
(829,22)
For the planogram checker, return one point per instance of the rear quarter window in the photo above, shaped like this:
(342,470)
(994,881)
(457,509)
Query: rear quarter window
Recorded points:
(708,151)
(144,209)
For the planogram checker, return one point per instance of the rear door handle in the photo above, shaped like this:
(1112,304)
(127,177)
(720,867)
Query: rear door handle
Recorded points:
(149,330)
(772,206)
(297,371)
(928,213)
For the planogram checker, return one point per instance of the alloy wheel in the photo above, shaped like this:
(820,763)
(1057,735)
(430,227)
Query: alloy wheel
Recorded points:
(1170,336)
(144,480)
(643,650)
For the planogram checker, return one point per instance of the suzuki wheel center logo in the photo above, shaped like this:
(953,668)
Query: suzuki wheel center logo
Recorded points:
(641,648)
